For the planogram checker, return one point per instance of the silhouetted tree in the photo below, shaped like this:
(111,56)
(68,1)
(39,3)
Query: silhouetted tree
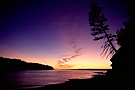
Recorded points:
(123,60)
(125,36)
(122,35)
(100,30)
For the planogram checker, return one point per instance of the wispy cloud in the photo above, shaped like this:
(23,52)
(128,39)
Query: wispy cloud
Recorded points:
(76,51)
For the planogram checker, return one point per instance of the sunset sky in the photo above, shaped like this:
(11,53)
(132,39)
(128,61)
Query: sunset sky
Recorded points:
(56,32)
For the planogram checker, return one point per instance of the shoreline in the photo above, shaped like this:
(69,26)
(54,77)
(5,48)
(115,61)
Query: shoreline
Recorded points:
(97,82)
(75,83)
(6,83)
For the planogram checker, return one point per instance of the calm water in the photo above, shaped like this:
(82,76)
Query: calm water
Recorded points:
(38,78)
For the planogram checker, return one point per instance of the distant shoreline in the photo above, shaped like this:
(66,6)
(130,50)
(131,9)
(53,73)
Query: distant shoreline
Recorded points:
(7,64)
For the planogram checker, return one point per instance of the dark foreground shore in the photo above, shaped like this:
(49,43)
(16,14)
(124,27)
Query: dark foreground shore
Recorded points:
(76,84)
(98,82)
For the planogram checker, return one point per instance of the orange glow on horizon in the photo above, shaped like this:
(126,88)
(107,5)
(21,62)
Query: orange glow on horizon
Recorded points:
(84,61)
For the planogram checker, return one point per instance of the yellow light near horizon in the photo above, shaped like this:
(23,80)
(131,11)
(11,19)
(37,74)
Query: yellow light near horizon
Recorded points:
(87,64)
(84,61)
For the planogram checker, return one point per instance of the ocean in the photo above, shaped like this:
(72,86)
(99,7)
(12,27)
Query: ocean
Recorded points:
(37,78)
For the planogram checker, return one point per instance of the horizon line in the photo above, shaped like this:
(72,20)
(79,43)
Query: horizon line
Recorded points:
(81,69)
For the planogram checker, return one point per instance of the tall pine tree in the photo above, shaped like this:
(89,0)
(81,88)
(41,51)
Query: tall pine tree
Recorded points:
(100,30)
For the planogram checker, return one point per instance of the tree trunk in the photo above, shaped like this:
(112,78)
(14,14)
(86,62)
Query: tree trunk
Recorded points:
(110,41)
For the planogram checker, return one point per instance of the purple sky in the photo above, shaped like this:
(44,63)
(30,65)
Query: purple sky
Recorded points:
(47,31)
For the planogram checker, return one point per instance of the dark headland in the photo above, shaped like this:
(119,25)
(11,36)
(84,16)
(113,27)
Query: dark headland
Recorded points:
(7,64)
(11,65)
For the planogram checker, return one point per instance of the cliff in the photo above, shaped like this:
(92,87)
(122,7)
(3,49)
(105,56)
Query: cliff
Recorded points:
(17,64)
